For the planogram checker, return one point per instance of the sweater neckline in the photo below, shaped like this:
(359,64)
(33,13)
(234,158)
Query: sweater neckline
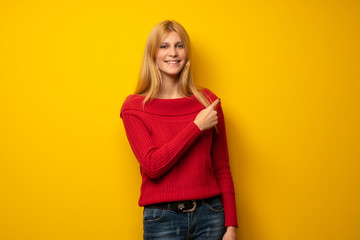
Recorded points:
(172,106)
(152,99)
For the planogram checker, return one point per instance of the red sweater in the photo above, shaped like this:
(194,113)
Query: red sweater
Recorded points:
(177,160)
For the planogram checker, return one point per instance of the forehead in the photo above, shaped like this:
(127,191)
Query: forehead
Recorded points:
(171,37)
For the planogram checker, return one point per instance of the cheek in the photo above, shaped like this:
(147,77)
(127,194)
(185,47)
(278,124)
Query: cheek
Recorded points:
(158,60)
(183,53)
(160,56)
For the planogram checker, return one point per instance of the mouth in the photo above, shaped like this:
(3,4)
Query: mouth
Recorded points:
(173,62)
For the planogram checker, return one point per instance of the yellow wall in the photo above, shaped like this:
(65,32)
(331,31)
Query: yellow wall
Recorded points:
(287,73)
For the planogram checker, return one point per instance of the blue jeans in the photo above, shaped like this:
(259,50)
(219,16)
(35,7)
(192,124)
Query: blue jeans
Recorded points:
(206,222)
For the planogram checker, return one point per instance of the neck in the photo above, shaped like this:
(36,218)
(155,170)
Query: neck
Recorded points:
(169,88)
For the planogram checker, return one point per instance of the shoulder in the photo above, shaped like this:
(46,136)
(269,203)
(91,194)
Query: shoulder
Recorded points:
(209,94)
(132,102)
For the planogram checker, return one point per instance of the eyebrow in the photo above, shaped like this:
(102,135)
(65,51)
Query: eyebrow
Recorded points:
(167,42)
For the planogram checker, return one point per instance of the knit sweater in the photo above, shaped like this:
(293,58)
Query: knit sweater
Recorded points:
(178,161)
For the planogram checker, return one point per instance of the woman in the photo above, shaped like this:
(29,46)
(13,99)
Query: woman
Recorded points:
(177,133)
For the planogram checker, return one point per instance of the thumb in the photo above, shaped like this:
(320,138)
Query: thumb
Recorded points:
(214,103)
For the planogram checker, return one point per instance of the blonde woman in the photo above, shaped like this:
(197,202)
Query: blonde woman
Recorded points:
(177,133)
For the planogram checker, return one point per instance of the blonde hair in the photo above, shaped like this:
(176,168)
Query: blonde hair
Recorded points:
(149,81)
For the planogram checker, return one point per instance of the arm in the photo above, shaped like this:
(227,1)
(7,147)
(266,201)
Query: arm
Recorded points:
(156,161)
(220,159)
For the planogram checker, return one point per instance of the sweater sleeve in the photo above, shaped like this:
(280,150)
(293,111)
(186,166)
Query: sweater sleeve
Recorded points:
(220,159)
(157,160)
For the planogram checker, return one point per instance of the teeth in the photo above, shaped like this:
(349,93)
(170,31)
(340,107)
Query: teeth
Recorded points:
(173,61)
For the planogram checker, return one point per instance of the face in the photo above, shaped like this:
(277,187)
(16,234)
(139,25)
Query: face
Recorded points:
(171,55)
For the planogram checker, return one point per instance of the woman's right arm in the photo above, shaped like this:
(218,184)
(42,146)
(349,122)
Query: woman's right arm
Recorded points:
(155,161)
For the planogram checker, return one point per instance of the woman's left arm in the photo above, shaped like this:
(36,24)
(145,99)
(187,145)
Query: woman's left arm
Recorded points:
(220,159)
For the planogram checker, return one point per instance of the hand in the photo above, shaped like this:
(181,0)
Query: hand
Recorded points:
(230,233)
(207,118)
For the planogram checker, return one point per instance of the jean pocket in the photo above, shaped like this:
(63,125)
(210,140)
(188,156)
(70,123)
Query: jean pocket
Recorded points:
(153,214)
(215,205)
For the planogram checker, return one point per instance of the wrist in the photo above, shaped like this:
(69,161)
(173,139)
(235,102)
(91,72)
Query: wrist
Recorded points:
(231,228)
(198,125)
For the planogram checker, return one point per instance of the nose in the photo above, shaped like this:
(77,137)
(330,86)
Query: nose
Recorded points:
(173,52)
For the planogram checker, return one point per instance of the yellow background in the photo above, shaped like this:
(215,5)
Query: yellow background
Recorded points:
(287,73)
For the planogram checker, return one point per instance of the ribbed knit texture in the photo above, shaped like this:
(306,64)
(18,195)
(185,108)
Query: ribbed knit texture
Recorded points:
(177,160)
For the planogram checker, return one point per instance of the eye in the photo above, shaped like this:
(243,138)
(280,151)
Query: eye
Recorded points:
(163,46)
(181,46)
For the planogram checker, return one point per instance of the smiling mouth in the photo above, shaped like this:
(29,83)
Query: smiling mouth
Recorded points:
(173,61)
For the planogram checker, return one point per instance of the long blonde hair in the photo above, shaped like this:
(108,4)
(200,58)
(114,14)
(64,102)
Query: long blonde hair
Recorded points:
(149,81)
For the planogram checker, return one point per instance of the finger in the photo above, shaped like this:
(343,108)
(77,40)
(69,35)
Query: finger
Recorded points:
(214,103)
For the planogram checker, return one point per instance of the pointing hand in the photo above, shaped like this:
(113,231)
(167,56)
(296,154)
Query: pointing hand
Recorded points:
(207,118)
